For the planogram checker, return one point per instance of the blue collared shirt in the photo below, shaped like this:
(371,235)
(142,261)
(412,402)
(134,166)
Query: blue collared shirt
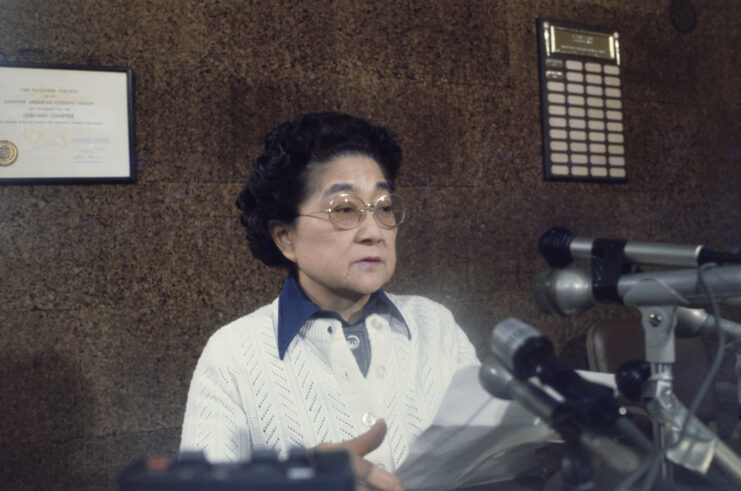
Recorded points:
(295,308)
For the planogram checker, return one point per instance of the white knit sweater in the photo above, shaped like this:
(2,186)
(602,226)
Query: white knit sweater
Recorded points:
(243,396)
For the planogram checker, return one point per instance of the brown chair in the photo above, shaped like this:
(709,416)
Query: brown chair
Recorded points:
(610,343)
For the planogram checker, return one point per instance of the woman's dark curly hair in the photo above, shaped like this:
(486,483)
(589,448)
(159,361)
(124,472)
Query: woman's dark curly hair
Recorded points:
(279,182)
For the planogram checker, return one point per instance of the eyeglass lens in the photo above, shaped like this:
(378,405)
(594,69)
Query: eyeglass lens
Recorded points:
(347,211)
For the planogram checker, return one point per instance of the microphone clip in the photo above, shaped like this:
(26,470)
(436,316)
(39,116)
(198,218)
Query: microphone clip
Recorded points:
(608,264)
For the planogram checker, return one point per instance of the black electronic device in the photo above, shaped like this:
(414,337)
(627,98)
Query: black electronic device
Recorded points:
(305,471)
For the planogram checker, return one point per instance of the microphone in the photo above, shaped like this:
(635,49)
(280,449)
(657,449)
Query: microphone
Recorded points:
(501,383)
(559,247)
(527,353)
(569,291)
(565,292)
(697,322)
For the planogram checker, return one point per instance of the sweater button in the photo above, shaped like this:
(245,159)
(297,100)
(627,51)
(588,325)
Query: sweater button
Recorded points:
(368,419)
(353,341)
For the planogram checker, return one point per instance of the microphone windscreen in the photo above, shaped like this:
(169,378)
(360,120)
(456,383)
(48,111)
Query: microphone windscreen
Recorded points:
(564,292)
(554,247)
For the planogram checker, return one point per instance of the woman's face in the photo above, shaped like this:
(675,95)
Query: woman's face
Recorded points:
(336,266)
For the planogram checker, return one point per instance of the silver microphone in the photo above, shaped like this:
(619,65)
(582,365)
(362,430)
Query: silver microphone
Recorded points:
(526,353)
(568,291)
(502,384)
(559,247)
(565,292)
(697,322)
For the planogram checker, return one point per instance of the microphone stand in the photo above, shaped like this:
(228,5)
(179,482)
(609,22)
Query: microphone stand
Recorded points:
(584,445)
(698,446)
(576,472)
(658,327)
(657,297)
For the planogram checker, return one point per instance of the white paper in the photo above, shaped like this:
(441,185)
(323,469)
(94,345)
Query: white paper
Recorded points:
(476,438)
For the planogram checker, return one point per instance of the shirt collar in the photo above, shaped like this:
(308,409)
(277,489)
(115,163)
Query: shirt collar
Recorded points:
(295,308)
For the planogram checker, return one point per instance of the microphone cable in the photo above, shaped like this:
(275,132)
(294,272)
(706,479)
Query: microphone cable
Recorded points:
(636,435)
(717,360)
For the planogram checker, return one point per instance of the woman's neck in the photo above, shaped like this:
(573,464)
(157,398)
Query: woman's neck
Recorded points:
(349,305)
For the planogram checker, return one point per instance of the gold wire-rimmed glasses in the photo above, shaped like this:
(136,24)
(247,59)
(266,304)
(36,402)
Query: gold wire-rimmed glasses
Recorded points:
(346,211)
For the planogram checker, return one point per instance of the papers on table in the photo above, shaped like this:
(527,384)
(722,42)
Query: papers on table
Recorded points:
(476,438)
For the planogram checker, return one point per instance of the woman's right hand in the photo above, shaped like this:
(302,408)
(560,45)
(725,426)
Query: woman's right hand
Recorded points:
(369,476)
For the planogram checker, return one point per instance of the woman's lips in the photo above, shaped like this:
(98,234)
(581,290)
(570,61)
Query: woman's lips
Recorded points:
(370,261)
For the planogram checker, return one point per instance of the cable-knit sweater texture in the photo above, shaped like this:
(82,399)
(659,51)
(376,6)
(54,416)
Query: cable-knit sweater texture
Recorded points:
(243,396)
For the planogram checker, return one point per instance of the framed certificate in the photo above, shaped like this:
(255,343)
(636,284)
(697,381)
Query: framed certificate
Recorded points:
(65,124)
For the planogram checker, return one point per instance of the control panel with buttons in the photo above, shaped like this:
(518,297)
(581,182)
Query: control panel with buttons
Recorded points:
(581,103)
(304,471)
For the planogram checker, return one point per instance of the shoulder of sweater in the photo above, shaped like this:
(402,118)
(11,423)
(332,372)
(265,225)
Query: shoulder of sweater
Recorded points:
(416,307)
(263,318)
(415,302)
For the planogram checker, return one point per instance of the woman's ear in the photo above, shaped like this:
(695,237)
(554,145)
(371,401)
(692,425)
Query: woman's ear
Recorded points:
(283,237)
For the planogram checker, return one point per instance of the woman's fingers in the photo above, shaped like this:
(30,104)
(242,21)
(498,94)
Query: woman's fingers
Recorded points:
(370,477)
(368,441)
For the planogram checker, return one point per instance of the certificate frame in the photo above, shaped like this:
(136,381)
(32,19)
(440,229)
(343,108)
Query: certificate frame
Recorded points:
(66,124)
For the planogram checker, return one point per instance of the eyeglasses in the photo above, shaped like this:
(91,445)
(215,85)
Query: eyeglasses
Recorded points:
(346,211)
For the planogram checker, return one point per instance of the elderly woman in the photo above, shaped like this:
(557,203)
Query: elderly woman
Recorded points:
(334,361)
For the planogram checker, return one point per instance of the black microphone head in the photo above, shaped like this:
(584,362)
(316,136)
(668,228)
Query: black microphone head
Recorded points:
(520,347)
(533,353)
(554,247)
(630,377)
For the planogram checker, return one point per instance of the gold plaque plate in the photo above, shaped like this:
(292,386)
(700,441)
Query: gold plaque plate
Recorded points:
(8,153)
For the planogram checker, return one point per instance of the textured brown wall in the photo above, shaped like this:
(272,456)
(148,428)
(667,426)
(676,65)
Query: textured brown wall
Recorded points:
(109,292)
